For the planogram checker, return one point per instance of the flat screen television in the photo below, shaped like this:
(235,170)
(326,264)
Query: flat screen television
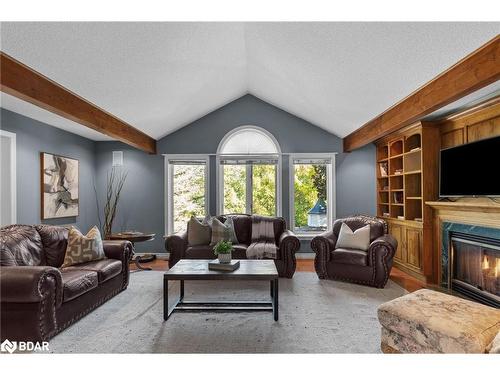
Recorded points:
(472,169)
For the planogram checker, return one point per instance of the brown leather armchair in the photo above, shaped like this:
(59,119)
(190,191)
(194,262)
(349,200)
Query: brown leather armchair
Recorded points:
(288,244)
(39,299)
(370,267)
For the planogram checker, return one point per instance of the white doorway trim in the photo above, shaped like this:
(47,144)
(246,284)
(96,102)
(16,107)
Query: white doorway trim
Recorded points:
(13,185)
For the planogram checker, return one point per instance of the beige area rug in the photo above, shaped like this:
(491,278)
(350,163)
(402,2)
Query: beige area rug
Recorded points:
(316,316)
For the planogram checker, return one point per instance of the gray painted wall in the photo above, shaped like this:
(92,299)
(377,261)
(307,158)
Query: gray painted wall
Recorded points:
(141,205)
(33,137)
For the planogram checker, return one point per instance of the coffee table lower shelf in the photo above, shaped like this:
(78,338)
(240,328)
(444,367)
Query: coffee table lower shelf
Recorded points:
(182,305)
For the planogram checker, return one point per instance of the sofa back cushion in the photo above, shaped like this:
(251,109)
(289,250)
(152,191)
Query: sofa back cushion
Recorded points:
(21,245)
(243,227)
(377,226)
(55,241)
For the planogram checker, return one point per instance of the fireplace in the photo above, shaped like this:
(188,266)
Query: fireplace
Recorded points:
(474,267)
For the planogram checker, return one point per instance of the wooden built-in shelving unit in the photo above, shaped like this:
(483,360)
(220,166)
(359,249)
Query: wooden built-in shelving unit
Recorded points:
(407,174)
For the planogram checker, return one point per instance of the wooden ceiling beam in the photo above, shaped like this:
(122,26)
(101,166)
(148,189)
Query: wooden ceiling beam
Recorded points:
(21,81)
(475,71)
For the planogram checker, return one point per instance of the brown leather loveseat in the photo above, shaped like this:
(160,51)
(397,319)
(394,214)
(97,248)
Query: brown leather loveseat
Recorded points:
(288,244)
(38,299)
(370,267)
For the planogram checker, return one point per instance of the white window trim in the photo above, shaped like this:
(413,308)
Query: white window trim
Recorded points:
(330,193)
(13,182)
(169,196)
(220,169)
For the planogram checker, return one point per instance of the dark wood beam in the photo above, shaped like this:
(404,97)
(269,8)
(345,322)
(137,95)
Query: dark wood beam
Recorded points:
(21,81)
(475,71)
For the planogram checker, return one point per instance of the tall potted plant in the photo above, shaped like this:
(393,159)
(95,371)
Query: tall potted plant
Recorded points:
(114,184)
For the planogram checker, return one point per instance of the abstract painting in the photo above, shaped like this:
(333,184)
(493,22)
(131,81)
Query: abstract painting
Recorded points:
(60,177)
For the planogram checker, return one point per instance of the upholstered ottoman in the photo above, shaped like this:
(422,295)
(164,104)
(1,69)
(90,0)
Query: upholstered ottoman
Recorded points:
(426,321)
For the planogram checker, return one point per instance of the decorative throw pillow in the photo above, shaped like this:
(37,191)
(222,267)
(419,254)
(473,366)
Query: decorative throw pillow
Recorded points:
(82,248)
(357,240)
(198,233)
(223,231)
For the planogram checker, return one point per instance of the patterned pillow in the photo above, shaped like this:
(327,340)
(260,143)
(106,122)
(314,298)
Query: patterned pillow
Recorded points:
(223,231)
(82,248)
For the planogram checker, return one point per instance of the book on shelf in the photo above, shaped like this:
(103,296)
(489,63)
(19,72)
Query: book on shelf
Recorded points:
(418,219)
(401,217)
(215,265)
(384,169)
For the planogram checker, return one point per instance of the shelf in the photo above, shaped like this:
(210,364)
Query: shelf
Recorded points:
(382,160)
(413,172)
(396,156)
(413,151)
(384,191)
(383,204)
(396,189)
(396,175)
(397,204)
(415,198)
(383,177)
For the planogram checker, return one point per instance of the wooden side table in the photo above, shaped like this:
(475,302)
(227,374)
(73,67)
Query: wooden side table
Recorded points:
(134,237)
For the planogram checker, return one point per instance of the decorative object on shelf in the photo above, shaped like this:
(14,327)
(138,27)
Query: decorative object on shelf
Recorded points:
(216,265)
(398,171)
(115,181)
(400,217)
(415,149)
(223,250)
(384,169)
(386,214)
(59,185)
(398,197)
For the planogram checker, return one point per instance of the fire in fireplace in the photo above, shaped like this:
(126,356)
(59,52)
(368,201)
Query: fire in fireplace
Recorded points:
(475,267)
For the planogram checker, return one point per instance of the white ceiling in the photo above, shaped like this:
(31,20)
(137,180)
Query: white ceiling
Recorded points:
(162,76)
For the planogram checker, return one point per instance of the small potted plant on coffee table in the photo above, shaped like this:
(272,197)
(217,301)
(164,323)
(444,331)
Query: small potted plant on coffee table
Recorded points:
(223,250)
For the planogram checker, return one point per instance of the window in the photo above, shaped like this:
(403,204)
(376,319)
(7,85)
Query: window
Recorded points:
(311,193)
(187,190)
(248,174)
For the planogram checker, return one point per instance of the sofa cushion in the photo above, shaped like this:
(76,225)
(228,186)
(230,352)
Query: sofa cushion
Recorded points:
(55,242)
(200,252)
(198,233)
(440,323)
(77,282)
(21,245)
(83,248)
(349,256)
(106,268)
(358,239)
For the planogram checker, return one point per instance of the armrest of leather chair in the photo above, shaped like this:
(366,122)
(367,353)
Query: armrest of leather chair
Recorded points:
(382,249)
(323,244)
(176,245)
(380,254)
(288,244)
(25,284)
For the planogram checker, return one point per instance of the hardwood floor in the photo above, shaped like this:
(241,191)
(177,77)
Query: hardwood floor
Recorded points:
(307,265)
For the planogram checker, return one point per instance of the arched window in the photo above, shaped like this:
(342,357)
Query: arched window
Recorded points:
(249,161)
(249,140)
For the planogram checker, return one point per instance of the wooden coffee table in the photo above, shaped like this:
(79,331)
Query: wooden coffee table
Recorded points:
(194,269)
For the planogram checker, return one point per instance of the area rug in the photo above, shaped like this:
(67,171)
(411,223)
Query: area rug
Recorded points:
(316,316)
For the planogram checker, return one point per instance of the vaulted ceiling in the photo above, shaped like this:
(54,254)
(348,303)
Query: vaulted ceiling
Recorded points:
(159,77)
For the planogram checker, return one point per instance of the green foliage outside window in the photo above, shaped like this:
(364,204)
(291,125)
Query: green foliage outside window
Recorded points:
(189,194)
(264,190)
(234,189)
(309,186)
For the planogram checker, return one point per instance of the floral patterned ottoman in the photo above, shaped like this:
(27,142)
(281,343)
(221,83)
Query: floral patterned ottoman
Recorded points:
(426,321)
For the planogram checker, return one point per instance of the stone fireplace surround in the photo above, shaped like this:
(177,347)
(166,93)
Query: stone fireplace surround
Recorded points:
(449,228)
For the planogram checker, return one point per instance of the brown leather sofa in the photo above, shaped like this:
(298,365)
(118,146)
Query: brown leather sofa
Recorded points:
(288,244)
(370,267)
(38,299)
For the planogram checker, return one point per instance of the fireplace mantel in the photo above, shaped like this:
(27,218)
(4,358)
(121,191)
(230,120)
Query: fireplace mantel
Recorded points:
(473,211)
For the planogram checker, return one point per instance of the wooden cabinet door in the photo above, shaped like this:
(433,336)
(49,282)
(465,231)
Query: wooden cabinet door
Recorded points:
(397,231)
(414,247)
